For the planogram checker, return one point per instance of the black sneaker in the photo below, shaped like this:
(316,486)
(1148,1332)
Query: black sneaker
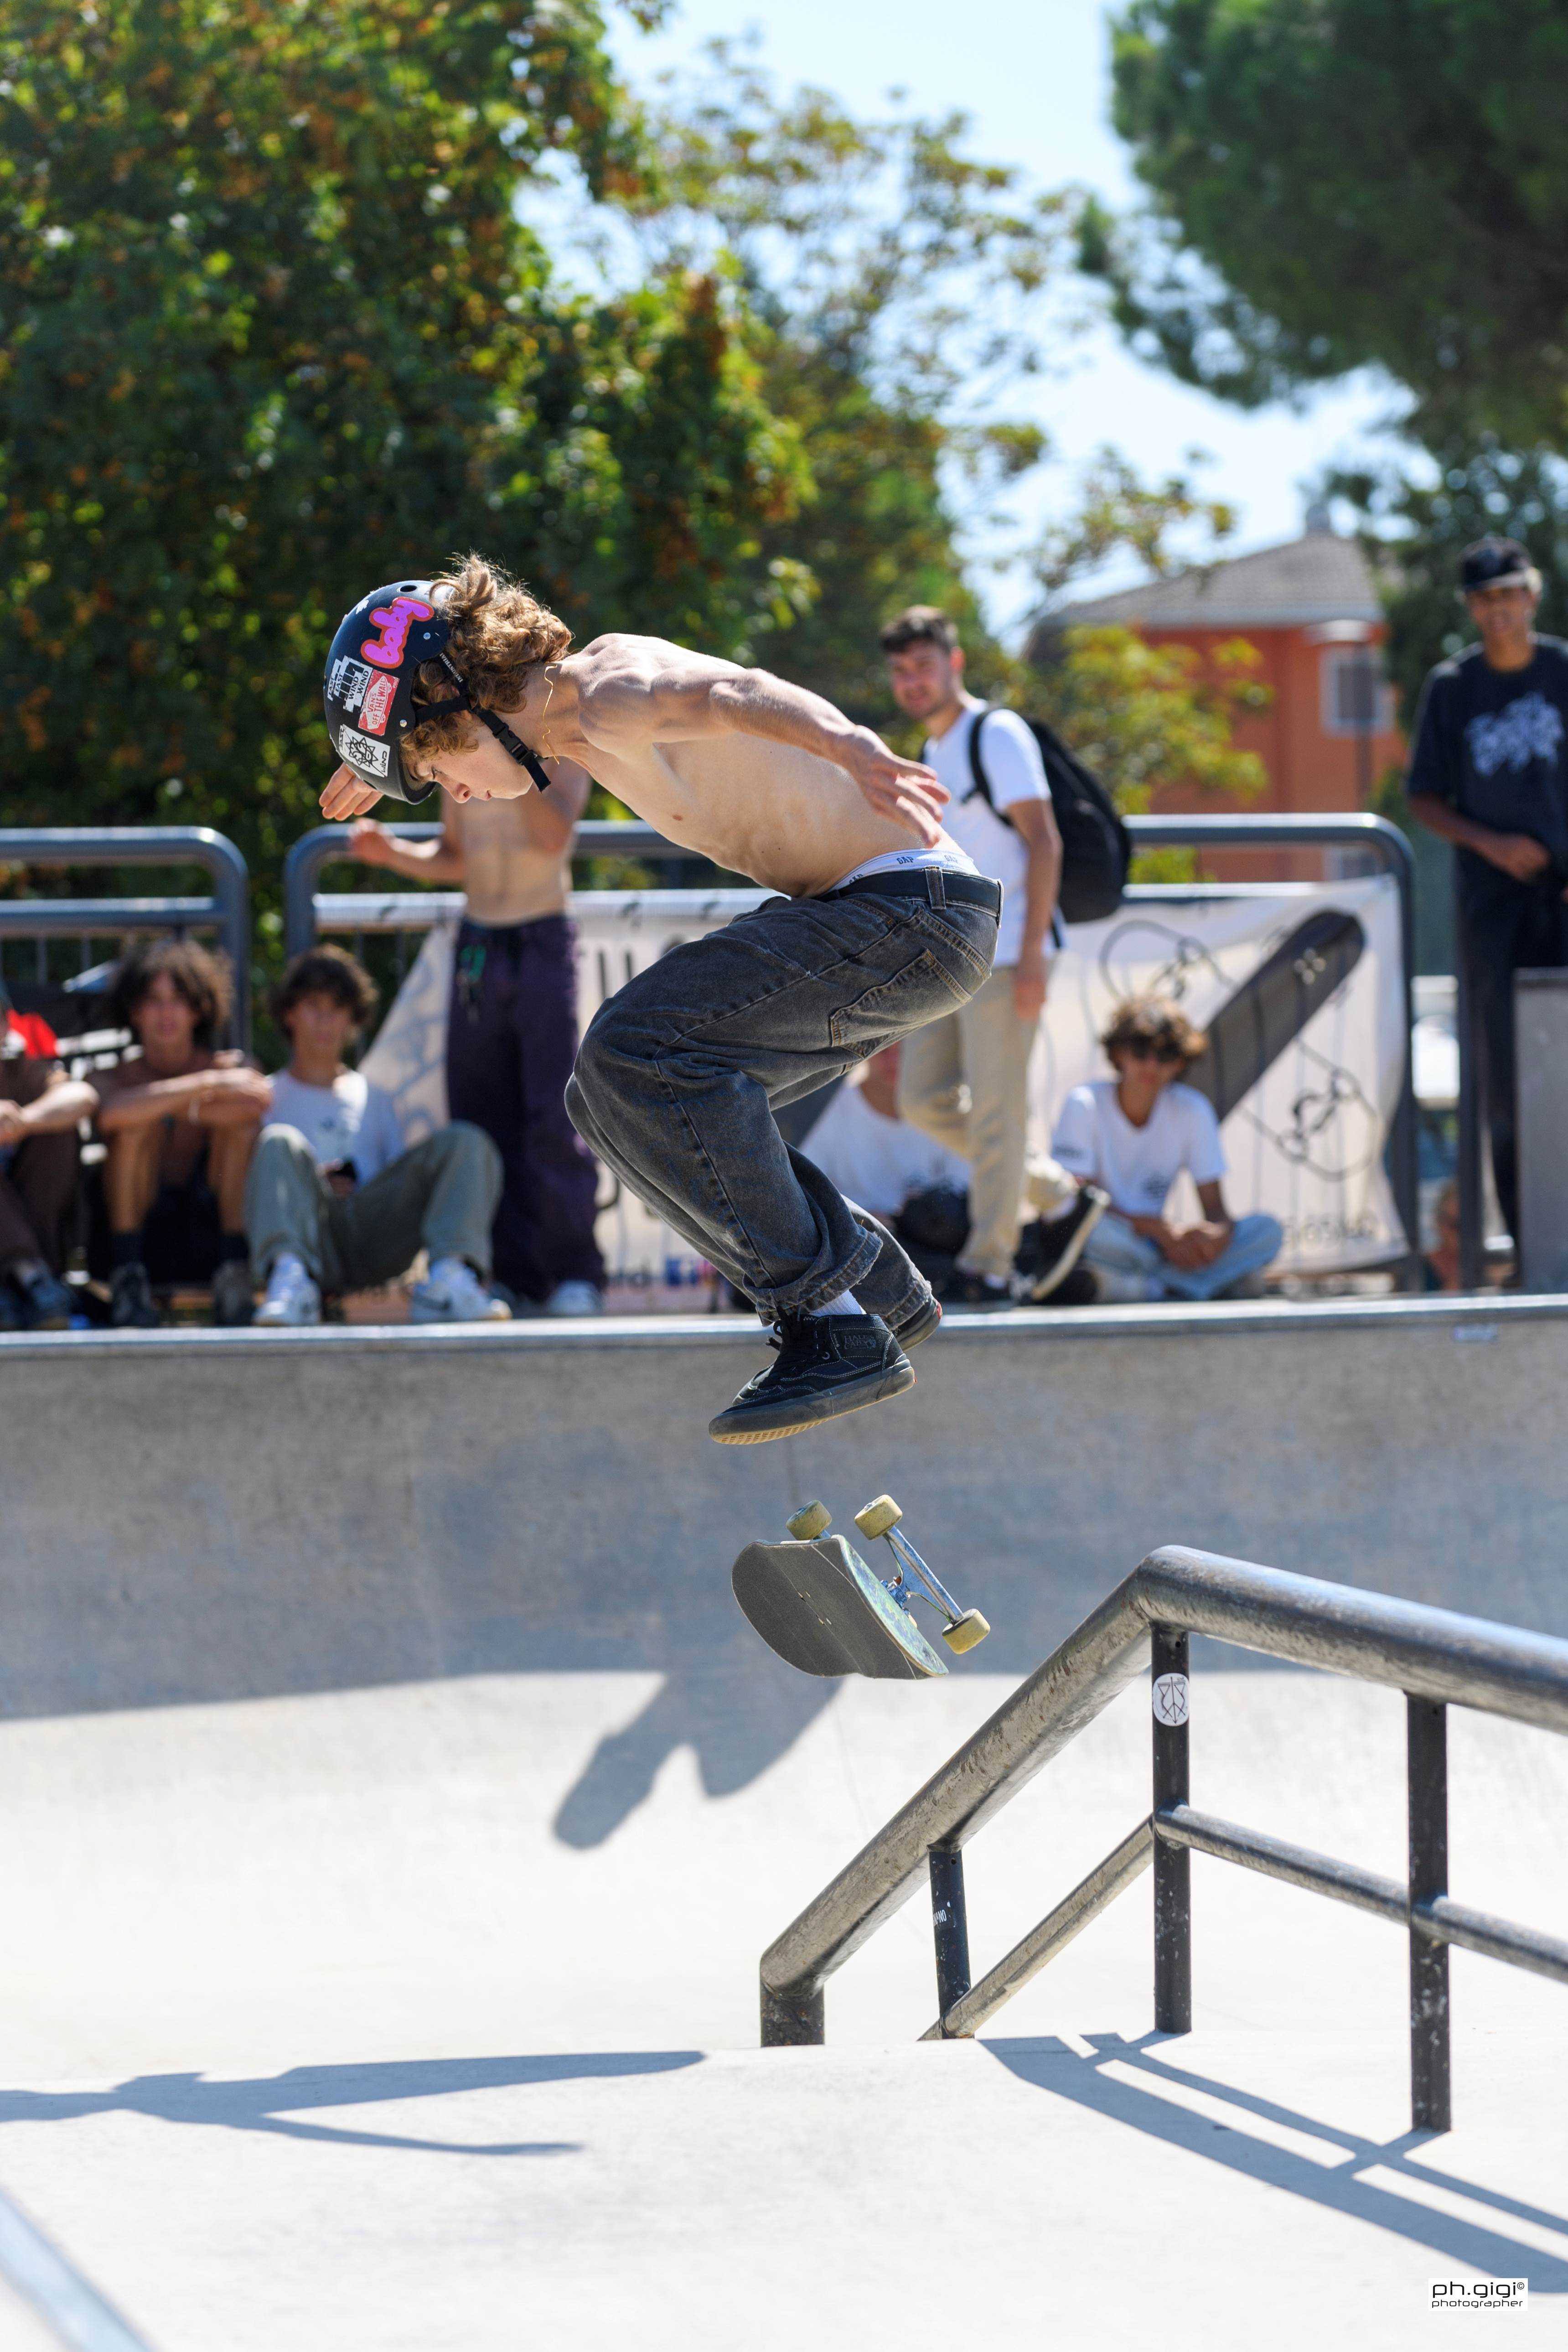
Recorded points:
(234,1294)
(961,1289)
(826,1365)
(46,1304)
(1048,1253)
(919,1325)
(130,1300)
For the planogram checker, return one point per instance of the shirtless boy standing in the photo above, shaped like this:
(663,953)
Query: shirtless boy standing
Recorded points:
(882,925)
(512,1029)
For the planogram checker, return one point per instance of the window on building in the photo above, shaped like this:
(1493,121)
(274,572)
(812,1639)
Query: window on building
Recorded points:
(1356,698)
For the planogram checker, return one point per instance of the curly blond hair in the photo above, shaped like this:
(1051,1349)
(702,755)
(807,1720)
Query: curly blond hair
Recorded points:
(499,634)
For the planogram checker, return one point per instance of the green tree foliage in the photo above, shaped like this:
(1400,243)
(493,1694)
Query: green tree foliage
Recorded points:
(897,283)
(1346,181)
(905,290)
(272,334)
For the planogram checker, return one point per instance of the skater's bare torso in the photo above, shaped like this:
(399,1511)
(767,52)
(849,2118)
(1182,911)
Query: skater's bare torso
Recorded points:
(762,777)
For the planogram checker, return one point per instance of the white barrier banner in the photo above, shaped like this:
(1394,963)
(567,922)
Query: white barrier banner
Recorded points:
(1298,986)
(1300,990)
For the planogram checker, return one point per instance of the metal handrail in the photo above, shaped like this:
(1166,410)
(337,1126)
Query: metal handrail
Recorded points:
(226,911)
(1437,1657)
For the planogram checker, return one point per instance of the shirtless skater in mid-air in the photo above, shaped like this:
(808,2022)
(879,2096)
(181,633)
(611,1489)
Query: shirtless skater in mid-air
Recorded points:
(882,924)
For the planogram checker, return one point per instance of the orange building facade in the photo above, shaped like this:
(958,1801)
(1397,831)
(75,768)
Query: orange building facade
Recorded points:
(1312,611)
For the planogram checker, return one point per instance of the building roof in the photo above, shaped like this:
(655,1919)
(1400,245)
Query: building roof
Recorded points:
(1319,577)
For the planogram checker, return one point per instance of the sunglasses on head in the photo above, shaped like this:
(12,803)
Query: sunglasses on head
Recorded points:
(1150,1049)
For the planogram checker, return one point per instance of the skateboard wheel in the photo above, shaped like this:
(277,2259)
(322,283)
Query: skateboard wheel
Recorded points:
(811,1519)
(966,1632)
(878,1516)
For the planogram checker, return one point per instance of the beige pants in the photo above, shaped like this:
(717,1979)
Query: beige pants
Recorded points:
(962,1079)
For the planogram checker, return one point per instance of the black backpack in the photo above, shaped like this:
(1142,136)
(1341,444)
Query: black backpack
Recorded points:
(1096,845)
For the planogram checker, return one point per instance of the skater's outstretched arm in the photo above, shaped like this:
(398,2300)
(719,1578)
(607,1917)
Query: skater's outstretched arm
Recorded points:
(636,687)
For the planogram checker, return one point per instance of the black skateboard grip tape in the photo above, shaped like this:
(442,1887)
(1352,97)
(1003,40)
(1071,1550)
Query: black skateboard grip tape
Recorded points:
(1271,1008)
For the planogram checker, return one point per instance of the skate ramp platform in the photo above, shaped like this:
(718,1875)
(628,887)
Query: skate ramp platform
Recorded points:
(201,1517)
(396,1808)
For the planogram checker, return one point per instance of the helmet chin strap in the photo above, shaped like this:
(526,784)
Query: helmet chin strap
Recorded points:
(505,736)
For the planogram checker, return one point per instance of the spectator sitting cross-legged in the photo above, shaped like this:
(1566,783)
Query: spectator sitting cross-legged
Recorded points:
(39,1111)
(1133,1135)
(180,1120)
(334,1202)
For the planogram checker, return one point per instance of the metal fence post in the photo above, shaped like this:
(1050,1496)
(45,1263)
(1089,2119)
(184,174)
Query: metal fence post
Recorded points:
(1426,1747)
(1172,1863)
(949,1920)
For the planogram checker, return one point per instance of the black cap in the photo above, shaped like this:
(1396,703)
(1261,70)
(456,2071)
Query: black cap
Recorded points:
(1493,563)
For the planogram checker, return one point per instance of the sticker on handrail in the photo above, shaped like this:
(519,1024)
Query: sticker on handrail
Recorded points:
(1170,1697)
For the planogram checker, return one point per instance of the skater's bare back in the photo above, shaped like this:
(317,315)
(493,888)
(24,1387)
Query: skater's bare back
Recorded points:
(765,778)
(762,777)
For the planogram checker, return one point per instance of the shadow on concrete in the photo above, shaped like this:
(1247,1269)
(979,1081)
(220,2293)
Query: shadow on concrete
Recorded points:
(274,2103)
(738,1712)
(1150,2105)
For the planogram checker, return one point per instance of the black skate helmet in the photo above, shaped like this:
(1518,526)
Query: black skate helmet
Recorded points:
(372,677)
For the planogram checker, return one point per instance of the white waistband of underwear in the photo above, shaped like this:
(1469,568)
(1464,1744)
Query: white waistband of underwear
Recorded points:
(943,853)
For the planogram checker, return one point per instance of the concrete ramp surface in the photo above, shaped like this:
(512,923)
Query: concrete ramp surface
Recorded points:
(395,1811)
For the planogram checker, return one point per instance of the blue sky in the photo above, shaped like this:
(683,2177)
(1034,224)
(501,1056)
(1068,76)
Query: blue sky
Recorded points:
(1036,84)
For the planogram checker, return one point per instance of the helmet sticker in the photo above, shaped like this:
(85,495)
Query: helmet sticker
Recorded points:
(346,682)
(393,622)
(370,758)
(379,697)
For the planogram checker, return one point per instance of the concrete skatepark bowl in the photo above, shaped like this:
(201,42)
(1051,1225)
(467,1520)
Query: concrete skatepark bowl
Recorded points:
(397,1807)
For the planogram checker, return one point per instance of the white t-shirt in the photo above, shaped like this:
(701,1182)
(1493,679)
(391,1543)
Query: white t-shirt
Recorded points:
(875,1161)
(1015,772)
(1138,1165)
(350,1119)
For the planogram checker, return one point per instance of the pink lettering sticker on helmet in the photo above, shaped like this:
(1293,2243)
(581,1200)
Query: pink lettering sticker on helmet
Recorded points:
(393,622)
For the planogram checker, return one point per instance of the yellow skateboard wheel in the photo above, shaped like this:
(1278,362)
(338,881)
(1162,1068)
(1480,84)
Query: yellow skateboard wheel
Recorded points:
(966,1632)
(880,1514)
(811,1519)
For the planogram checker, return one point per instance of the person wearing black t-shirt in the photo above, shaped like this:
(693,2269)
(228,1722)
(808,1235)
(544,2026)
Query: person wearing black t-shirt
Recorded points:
(1489,772)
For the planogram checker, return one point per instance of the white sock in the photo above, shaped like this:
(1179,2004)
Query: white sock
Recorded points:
(450,1269)
(845,1304)
(288,1265)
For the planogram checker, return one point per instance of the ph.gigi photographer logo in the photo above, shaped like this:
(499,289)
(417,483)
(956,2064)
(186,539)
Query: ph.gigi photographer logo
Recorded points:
(1478,2293)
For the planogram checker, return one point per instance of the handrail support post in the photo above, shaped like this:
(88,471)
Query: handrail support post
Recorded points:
(791,2019)
(1426,1746)
(949,1923)
(1170,1686)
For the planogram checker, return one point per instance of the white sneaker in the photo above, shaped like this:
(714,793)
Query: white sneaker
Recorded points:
(291,1297)
(574,1298)
(453,1293)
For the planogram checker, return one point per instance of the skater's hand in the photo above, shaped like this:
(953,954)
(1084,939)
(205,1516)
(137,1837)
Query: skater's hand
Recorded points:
(348,796)
(902,790)
(12,1126)
(1517,853)
(370,843)
(1030,979)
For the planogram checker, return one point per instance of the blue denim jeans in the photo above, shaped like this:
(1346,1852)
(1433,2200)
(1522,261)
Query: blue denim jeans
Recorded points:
(1255,1242)
(677,1077)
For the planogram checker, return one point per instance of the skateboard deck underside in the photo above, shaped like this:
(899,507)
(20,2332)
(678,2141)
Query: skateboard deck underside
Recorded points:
(821,1609)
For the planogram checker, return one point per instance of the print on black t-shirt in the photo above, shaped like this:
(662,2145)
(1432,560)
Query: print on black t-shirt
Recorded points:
(1493,743)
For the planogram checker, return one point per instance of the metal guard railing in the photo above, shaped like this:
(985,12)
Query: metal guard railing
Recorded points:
(1369,837)
(1436,1657)
(226,911)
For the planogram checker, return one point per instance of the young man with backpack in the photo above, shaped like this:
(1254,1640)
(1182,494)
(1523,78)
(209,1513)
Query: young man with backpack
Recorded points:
(963,1078)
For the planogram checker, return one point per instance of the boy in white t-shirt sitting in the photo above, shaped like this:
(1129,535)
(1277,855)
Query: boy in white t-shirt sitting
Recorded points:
(1133,1135)
(333,1201)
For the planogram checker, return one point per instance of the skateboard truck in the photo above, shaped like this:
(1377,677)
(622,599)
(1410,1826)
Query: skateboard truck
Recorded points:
(965,1628)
